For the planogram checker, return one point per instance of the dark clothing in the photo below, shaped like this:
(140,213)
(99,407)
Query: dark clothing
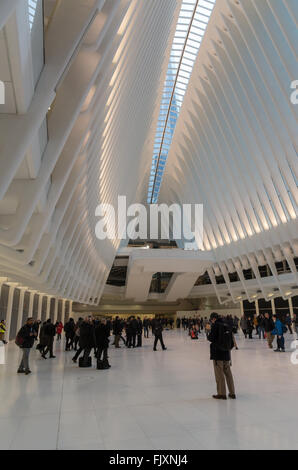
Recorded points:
(69,330)
(159,338)
(280,342)
(129,335)
(139,333)
(27,332)
(268,324)
(42,337)
(146,324)
(49,332)
(102,333)
(102,354)
(158,329)
(117,329)
(217,354)
(250,328)
(87,336)
(134,331)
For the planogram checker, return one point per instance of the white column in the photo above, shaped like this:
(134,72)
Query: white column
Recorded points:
(56,310)
(70,308)
(20,309)
(48,307)
(291,307)
(8,312)
(39,307)
(257,307)
(273,307)
(241,308)
(63,311)
(31,298)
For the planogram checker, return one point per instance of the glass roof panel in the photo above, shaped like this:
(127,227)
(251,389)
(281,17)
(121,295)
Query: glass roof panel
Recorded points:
(190,29)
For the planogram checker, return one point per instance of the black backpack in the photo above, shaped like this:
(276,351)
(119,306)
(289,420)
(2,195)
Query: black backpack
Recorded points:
(225,340)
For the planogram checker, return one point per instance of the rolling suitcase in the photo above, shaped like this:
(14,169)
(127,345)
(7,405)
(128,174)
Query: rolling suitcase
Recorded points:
(84,363)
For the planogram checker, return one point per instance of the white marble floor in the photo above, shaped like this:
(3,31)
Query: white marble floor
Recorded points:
(150,400)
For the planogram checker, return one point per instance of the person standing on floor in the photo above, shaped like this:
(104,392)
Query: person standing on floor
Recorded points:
(117,330)
(279,330)
(269,327)
(158,335)
(220,336)
(2,331)
(288,322)
(243,325)
(102,333)
(49,335)
(42,339)
(146,327)
(261,328)
(128,331)
(69,330)
(25,339)
(134,329)
(59,329)
(139,332)
(87,339)
(250,327)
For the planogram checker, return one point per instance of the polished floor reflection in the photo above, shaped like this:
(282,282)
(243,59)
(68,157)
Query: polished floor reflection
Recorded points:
(150,400)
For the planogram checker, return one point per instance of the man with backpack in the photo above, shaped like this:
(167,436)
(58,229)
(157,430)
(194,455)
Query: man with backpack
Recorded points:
(25,340)
(221,337)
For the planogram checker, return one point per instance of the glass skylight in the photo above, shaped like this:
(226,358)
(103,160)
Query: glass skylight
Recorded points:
(192,23)
(32,5)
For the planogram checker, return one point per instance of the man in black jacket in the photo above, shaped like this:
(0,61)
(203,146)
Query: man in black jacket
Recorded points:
(102,333)
(146,327)
(87,339)
(28,335)
(158,335)
(134,330)
(269,326)
(49,334)
(69,330)
(139,333)
(221,358)
(117,330)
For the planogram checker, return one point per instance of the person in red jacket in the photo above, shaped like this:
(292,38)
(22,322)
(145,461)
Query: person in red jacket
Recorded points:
(59,328)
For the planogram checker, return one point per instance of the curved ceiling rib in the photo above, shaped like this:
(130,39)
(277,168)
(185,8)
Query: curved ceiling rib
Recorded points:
(80,141)
(191,26)
(235,145)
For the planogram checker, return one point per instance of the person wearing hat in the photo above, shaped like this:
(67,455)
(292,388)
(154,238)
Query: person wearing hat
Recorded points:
(220,336)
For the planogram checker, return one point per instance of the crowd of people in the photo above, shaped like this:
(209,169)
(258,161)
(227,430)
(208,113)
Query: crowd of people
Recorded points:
(90,333)
(86,335)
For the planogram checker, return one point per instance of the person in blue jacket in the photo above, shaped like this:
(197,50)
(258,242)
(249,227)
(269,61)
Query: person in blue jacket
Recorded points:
(279,330)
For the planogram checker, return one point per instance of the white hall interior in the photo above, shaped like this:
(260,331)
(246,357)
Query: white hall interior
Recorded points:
(163,102)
